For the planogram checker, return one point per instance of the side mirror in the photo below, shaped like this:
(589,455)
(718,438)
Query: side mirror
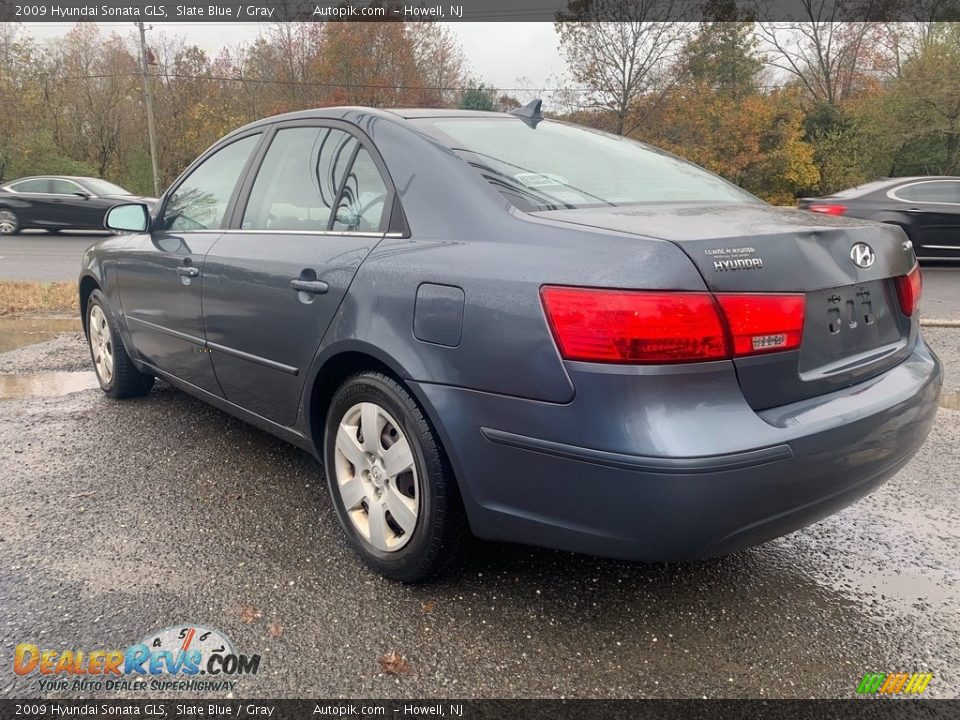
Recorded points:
(129,217)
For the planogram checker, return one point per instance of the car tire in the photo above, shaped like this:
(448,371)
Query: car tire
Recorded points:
(408,526)
(9,224)
(115,371)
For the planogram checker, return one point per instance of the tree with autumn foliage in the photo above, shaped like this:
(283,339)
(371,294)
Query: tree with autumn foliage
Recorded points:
(717,116)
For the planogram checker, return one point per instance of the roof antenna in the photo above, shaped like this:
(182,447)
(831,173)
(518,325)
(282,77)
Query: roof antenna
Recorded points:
(530,113)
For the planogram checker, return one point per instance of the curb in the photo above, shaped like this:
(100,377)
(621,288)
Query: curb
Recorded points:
(936,323)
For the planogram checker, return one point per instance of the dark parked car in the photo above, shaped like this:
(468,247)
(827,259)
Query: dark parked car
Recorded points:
(926,208)
(538,332)
(59,203)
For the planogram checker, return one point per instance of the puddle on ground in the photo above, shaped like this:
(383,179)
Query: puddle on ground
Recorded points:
(45,384)
(950,400)
(17,332)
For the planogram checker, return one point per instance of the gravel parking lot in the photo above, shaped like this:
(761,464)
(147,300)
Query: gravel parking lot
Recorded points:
(120,518)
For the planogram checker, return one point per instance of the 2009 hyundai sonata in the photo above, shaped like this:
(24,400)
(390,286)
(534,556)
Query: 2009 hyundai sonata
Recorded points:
(521,328)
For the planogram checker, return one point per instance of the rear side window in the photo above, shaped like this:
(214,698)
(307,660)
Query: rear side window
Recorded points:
(363,198)
(297,185)
(37,185)
(200,202)
(556,166)
(935,191)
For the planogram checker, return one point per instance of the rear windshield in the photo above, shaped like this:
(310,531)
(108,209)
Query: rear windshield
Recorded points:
(556,166)
(102,187)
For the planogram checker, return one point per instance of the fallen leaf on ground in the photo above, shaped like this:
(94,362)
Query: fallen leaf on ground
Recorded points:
(428,607)
(248,613)
(275,629)
(393,664)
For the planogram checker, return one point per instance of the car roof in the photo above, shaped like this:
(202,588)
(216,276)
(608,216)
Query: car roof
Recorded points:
(49,177)
(412,113)
(341,112)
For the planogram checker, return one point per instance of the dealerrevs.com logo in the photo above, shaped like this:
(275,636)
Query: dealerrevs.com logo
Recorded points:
(894,683)
(182,657)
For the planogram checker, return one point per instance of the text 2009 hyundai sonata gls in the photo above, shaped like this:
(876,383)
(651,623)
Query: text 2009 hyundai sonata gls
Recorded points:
(521,328)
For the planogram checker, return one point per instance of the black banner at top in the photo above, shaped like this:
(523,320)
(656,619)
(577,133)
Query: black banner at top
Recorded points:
(162,11)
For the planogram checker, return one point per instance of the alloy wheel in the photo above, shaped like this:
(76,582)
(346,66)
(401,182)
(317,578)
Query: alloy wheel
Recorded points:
(377,476)
(8,222)
(101,344)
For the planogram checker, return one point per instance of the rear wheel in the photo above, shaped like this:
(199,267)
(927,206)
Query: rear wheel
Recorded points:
(390,483)
(9,223)
(115,371)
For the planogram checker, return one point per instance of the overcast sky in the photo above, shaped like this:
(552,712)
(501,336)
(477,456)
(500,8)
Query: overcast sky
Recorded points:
(505,55)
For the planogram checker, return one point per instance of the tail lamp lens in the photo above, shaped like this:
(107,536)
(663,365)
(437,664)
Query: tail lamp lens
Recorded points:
(909,290)
(827,209)
(763,323)
(635,326)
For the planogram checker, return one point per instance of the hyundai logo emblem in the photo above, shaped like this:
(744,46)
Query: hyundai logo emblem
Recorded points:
(862,255)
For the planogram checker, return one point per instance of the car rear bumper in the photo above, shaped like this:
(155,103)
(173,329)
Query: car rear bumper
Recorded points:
(669,464)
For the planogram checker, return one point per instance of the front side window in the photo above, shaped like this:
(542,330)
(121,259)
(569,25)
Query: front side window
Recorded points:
(36,185)
(364,197)
(200,202)
(557,166)
(936,191)
(298,182)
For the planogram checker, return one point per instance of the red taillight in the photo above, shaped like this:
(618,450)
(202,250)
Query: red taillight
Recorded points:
(827,208)
(630,326)
(909,290)
(763,323)
(636,326)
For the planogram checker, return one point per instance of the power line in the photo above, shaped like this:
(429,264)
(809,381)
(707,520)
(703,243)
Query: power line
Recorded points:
(372,86)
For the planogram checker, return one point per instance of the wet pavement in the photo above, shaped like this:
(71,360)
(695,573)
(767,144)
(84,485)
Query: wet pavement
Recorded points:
(118,518)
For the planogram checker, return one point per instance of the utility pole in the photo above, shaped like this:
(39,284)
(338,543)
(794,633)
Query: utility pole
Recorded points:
(148,99)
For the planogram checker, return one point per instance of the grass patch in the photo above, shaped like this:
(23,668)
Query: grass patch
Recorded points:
(17,297)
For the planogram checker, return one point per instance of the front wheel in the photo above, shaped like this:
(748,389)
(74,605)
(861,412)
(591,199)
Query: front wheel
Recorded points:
(390,483)
(116,374)
(9,224)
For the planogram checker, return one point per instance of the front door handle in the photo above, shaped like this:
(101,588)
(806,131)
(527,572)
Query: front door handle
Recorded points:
(318,287)
(188,271)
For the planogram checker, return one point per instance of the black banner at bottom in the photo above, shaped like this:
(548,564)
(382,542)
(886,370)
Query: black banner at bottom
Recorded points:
(858,709)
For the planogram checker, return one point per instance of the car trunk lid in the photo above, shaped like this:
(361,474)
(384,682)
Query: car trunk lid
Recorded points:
(853,325)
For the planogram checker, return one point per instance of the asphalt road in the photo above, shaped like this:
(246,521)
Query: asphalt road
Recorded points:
(39,256)
(118,518)
(36,255)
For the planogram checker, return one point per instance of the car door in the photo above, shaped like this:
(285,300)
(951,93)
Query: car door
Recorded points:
(273,283)
(72,206)
(933,207)
(31,200)
(161,273)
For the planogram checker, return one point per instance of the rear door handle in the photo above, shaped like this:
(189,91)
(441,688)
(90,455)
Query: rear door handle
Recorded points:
(188,271)
(318,287)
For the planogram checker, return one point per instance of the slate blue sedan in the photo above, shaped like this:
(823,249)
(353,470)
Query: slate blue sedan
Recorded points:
(522,329)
